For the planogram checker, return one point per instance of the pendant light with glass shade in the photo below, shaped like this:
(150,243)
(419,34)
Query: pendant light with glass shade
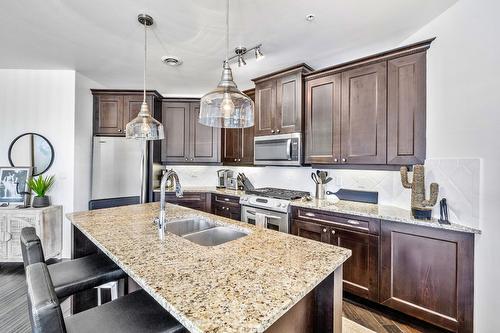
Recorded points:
(226,106)
(144,126)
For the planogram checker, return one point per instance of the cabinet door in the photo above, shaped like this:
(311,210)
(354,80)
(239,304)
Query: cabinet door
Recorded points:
(132,106)
(289,104)
(175,117)
(364,115)
(204,140)
(5,237)
(406,110)
(231,145)
(108,115)
(15,225)
(310,230)
(322,120)
(247,146)
(429,274)
(361,269)
(265,107)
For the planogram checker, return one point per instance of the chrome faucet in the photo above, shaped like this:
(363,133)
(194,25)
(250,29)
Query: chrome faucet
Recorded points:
(178,193)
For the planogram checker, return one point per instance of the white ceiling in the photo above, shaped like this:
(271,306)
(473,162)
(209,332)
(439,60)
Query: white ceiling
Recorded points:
(103,40)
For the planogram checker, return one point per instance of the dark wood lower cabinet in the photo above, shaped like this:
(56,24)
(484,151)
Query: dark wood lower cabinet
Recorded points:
(361,269)
(226,206)
(194,200)
(429,274)
(424,272)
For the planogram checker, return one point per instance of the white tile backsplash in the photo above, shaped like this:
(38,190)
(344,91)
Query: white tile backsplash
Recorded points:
(458,180)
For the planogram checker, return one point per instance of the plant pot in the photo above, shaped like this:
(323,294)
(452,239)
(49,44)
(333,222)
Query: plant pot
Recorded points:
(40,202)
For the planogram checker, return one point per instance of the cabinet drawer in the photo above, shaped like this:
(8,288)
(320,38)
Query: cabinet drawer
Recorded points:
(357,223)
(226,200)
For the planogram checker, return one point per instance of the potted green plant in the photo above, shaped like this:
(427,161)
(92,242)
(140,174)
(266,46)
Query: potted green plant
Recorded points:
(40,186)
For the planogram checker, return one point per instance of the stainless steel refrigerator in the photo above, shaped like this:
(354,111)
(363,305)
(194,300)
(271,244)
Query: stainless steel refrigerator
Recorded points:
(116,171)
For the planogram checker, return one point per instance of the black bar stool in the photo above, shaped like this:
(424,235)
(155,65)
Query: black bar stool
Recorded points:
(135,312)
(72,276)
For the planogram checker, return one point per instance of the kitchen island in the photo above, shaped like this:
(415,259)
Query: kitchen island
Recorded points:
(265,281)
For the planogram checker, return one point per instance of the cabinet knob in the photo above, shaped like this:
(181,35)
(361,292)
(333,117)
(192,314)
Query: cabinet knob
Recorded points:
(335,159)
(227,208)
(192,159)
(324,229)
(119,130)
(187,159)
(235,159)
(344,160)
(239,159)
(272,131)
(333,232)
(277,131)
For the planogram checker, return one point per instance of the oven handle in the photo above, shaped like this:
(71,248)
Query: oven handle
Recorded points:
(253,212)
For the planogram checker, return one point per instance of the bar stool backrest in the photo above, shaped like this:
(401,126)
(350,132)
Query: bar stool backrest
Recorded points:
(31,247)
(44,308)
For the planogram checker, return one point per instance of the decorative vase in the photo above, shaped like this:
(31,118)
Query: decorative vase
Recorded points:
(40,202)
(421,207)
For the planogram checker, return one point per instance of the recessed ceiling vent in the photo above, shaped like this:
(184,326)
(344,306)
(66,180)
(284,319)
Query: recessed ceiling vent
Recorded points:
(171,60)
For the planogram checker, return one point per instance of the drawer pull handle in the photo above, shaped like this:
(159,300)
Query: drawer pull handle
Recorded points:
(354,222)
(226,199)
(310,214)
(324,229)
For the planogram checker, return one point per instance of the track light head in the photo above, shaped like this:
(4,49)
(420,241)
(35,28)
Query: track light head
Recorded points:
(241,61)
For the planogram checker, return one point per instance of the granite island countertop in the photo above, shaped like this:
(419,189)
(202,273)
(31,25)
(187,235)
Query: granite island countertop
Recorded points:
(383,212)
(241,286)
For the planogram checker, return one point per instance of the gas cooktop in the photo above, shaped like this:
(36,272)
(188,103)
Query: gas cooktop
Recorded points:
(278,193)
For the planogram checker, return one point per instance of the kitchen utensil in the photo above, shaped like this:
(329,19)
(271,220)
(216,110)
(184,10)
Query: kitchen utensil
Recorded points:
(315,178)
(221,176)
(329,179)
(443,212)
(356,196)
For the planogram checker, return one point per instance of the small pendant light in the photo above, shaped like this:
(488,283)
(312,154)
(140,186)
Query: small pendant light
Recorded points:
(226,106)
(144,126)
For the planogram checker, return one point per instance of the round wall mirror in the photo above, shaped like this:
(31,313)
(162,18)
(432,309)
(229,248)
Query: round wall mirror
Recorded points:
(31,149)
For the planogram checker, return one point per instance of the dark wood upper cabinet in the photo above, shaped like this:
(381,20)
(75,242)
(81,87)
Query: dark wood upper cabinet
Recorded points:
(108,115)
(113,109)
(175,147)
(265,107)
(429,274)
(382,110)
(406,109)
(204,140)
(322,120)
(188,141)
(237,144)
(279,102)
(364,112)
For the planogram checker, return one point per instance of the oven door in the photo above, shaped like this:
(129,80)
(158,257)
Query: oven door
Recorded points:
(283,149)
(273,220)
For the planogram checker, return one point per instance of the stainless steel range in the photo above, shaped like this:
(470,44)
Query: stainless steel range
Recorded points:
(268,207)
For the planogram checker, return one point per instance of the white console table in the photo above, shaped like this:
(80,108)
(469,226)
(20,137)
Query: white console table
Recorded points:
(47,222)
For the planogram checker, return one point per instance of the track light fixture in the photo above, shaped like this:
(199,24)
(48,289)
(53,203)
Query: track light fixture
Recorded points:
(241,51)
(258,53)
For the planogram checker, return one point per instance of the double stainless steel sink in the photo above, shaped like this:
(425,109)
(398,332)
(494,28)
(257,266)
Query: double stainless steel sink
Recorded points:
(203,232)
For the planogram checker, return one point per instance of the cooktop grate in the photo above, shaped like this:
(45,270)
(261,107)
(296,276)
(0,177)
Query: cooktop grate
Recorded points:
(278,193)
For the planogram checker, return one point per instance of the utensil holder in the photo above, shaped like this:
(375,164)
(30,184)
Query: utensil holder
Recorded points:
(320,191)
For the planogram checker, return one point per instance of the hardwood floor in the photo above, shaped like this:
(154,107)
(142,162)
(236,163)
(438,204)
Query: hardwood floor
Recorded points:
(14,310)
(13,305)
(383,320)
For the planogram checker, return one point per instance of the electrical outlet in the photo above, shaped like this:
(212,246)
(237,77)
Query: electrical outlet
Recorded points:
(338,181)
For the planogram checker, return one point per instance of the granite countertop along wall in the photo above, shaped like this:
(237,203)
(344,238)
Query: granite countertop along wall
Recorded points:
(383,212)
(241,286)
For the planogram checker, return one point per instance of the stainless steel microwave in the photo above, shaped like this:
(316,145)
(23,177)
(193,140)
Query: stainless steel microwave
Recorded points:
(281,149)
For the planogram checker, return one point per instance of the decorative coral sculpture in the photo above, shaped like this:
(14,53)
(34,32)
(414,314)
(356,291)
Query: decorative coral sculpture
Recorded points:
(420,206)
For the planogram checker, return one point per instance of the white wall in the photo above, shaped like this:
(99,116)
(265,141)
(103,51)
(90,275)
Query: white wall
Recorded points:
(83,140)
(463,102)
(42,101)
